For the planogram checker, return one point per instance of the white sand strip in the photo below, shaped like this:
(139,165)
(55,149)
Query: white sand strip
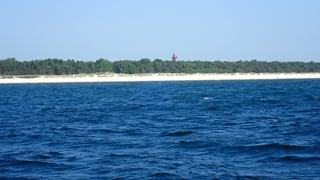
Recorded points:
(110,77)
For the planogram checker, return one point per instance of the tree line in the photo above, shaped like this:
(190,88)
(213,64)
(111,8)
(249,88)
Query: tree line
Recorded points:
(11,66)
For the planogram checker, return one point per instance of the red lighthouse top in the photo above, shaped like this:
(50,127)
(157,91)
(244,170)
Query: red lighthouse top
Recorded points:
(174,57)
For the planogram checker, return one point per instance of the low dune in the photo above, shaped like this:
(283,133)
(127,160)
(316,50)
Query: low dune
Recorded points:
(113,77)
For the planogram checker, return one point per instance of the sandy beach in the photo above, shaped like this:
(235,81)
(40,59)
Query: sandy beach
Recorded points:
(112,77)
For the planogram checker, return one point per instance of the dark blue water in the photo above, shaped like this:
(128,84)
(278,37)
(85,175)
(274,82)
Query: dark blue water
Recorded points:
(266,129)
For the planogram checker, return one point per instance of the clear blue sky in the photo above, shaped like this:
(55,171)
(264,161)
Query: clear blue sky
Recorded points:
(226,30)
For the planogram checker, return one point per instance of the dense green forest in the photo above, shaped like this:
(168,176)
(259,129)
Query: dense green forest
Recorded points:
(11,66)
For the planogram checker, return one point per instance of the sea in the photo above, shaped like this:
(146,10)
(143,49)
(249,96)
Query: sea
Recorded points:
(244,129)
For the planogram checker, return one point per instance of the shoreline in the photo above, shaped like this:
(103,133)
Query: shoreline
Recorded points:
(113,77)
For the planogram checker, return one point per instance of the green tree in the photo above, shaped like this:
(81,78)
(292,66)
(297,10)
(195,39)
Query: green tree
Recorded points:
(104,65)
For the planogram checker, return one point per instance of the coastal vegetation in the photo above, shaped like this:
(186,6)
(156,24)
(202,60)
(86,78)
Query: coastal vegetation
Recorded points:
(11,66)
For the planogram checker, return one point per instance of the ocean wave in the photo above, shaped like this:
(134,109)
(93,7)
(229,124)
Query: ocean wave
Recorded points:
(179,133)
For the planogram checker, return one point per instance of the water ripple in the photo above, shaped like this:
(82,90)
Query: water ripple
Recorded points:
(161,130)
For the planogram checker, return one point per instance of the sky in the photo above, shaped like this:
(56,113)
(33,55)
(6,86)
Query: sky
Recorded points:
(206,30)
